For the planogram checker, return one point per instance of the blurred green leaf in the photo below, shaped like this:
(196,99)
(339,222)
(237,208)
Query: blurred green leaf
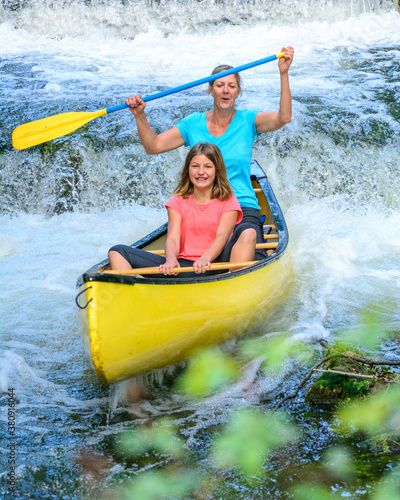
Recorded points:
(161,438)
(249,437)
(377,414)
(315,492)
(370,332)
(388,488)
(162,485)
(207,372)
(339,462)
(276,350)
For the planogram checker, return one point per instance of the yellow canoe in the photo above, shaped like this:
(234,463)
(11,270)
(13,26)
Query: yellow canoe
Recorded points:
(131,324)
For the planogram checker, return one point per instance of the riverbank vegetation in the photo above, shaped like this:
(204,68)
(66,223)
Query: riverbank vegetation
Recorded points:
(252,454)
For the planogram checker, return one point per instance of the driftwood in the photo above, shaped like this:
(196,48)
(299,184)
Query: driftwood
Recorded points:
(315,368)
(345,374)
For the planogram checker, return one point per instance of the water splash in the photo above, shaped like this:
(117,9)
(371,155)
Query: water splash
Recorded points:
(126,18)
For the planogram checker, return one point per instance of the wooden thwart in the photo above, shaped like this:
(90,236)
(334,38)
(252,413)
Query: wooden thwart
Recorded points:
(155,270)
(259,245)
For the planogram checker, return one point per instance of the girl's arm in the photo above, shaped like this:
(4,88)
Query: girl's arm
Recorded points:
(225,228)
(153,143)
(274,120)
(173,242)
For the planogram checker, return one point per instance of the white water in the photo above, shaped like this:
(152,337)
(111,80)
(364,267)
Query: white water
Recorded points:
(334,170)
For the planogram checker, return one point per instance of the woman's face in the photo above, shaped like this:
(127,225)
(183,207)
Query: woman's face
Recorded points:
(225,91)
(202,172)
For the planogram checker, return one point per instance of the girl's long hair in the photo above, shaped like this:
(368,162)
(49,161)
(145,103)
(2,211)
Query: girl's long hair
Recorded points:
(221,189)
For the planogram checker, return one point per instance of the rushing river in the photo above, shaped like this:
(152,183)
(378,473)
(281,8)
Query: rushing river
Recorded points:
(334,169)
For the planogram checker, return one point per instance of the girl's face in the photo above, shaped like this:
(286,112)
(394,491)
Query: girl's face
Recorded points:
(202,172)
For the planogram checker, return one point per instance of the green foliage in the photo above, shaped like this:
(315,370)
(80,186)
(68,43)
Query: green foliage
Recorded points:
(379,413)
(343,347)
(162,485)
(347,387)
(388,488)
(328,380)
(355,387)
(249,437)
(276,350)
(310,491)
(370,333)
(160,438)
(207,372)
(339,462)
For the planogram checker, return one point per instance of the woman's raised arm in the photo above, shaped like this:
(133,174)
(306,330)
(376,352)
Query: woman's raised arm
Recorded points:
(153,143)
(274,120)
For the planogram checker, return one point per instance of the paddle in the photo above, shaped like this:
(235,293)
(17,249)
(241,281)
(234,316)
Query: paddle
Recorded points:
(47,129)
(155,270)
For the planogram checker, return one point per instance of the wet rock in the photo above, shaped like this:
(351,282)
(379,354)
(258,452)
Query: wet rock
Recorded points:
(337,382)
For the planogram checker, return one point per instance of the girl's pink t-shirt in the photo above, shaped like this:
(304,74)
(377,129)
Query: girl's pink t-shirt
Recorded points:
(200,223)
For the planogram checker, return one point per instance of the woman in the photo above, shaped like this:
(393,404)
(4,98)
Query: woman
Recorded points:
(232,130)
(201,218)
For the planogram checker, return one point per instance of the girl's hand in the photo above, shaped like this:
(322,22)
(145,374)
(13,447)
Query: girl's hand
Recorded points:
(168,267)
(202,265)
(136,105)
(285,62)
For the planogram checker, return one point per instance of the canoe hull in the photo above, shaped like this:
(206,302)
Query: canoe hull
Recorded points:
(152,326)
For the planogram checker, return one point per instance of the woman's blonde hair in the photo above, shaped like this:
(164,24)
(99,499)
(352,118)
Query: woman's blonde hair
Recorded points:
(220,69)
(221,189)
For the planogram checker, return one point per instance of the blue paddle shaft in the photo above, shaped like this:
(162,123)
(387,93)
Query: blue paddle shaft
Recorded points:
(207,79)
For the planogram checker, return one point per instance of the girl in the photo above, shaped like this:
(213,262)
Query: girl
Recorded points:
(201,219)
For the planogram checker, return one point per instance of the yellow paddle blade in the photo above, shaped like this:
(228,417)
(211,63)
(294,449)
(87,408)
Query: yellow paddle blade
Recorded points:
(47,129)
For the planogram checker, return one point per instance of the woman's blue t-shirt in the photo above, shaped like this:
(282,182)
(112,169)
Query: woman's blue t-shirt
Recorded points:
(236,146)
